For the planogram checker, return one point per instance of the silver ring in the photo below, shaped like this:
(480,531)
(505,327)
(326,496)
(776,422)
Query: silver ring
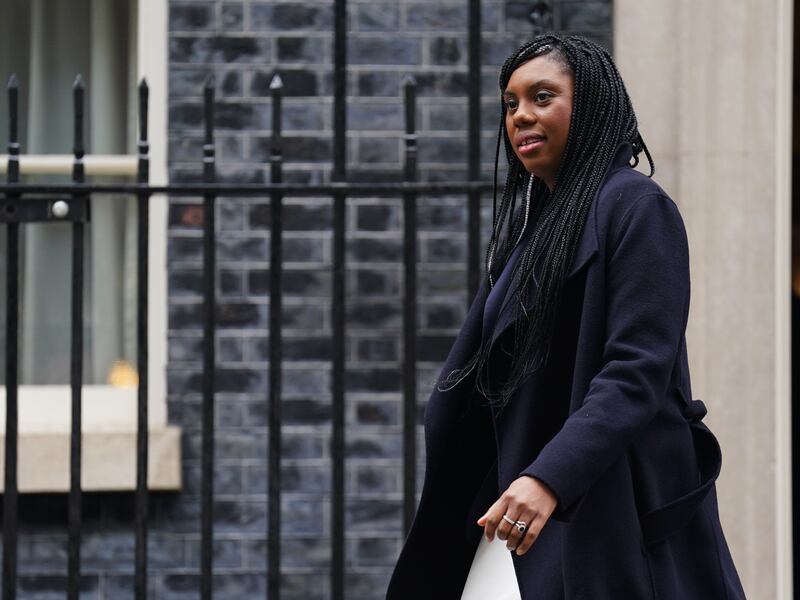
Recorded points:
(521,526)
(509,520)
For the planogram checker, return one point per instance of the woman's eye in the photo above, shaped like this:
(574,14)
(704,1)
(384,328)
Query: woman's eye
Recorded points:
(543,96)
(511,104)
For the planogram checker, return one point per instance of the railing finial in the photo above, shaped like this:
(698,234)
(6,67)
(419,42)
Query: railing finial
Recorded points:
(409,80)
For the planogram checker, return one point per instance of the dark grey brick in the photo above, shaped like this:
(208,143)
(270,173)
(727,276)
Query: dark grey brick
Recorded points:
(377,480)
(184,315)
(232,14)
(302,117)
(374,314)
(304,282)
(296,148)
(230,83)
(219,49)
(305,382)
(375,116)
(240,380)
(448,117)
(242,115)
(47,587)
(227,479)
(231,283)
(495,50)
(302,446)
(378,412)
(438,215)
(438,316)
(308,349)
(185,283)
(305,316)
(443,149)
(230,350)
(187,81)
(296,217)
(192,16)
(40,553)
(385,50)
(227,554)
(301,516)
(290,17)
(447,51)
(376,551)
(378,217)
(379,150)
(302,49)
(375,249)
(310,479)
(373,380)
(378,17)
(445,250)
(373,515)
(185,115)
(377,349)
(374,446)
(379,83)
(436,17)
(232,249)
(362,584)
(306,552)
(585,16)
(432,83)
(440,281)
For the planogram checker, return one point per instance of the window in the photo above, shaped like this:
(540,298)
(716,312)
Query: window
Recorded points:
(112,44)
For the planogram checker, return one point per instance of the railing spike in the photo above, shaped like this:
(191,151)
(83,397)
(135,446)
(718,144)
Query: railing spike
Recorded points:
(409,80)
(13,82)
(276,83)
(78,84)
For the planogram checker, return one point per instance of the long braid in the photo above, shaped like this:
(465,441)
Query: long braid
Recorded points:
(602,118)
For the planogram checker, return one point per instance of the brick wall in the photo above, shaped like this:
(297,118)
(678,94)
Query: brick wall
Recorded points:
(241,43)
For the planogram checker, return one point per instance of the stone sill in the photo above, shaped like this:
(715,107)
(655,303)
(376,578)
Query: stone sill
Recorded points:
(108,460)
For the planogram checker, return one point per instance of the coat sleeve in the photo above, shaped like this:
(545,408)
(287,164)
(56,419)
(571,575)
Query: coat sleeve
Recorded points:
(647,302)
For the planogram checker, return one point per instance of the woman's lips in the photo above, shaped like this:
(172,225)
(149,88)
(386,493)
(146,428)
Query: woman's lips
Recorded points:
(530,146)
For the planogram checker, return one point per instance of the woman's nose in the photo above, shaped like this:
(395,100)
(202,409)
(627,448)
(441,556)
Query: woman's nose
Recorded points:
(524,115)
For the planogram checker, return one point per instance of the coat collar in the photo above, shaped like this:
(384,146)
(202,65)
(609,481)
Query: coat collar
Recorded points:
(588,244)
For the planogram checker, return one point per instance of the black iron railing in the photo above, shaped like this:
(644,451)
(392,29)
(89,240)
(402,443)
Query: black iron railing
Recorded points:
(28,203)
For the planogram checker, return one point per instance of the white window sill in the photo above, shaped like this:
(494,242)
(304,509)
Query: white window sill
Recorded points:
(108,460)
(109,440)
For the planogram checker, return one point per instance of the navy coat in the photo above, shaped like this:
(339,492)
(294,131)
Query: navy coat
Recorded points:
(609,425)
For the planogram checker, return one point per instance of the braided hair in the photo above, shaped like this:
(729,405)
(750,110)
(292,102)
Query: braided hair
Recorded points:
(602,118)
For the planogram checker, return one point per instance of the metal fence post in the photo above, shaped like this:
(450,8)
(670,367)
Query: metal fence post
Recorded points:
(76,358)
(142,303)
(12,371)
(338,312)
(209,329)
(410,309)
(275,340)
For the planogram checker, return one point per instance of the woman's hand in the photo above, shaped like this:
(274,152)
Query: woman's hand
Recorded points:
(527,499)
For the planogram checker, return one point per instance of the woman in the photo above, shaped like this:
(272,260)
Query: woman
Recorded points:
(565,455)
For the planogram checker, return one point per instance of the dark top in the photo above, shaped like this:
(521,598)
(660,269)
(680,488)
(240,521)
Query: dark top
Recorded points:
(543,560)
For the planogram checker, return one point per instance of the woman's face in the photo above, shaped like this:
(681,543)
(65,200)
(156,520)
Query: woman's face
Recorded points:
(538,101)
